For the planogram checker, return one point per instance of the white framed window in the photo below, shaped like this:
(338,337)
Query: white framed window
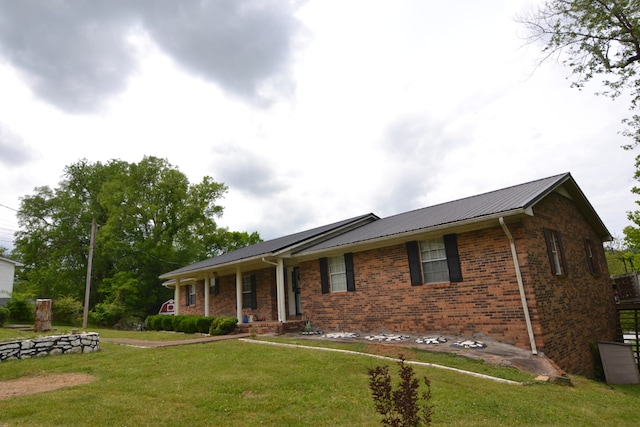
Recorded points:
(247,292)
(337,274)
(556,254)
(191,295)
(434,261)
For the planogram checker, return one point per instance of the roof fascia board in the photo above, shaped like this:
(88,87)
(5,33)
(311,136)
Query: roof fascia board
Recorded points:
(577,196)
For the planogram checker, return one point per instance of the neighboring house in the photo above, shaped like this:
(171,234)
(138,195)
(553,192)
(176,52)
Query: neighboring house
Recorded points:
(523,265)
(7,273)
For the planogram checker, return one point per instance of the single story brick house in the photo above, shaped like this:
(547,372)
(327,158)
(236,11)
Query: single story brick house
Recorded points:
(523,265)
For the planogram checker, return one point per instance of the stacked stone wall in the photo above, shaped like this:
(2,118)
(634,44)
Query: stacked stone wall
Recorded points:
(50,346)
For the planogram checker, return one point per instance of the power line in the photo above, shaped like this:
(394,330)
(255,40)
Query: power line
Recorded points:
(8,207)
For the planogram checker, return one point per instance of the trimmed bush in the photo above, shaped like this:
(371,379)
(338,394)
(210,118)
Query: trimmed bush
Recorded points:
(188,325)
(223,325)
(167,323)
(203,324)
(4,315)
(154,322)
(177,320)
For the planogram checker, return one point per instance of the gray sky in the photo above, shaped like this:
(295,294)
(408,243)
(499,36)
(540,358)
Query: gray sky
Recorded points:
(310,111)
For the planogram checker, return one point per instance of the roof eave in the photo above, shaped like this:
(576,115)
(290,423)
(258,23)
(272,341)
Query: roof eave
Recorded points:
(458,226)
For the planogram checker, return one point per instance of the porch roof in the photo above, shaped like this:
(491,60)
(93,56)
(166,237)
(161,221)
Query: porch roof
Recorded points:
(272,247)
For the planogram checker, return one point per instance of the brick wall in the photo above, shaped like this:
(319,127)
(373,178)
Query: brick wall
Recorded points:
(568,314)
(487,302)
(577,310)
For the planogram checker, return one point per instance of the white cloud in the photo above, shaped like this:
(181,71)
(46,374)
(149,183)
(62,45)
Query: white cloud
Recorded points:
(310,112)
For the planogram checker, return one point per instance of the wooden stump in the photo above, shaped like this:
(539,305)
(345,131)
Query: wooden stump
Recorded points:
(43,315)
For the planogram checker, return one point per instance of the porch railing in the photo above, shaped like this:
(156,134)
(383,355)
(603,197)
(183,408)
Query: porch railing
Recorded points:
(629,322)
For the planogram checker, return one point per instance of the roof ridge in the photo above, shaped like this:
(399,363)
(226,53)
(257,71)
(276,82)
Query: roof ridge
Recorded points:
(480,195)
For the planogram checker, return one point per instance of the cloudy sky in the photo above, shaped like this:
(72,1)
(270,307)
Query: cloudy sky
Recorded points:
(310,112)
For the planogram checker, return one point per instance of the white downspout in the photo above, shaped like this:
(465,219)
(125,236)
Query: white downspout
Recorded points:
(282,309)
(239,294)
(523,297)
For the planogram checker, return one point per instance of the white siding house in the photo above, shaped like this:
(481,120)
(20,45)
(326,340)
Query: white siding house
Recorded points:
(7,272)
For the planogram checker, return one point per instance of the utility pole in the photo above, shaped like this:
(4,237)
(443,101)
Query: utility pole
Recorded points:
(87,291)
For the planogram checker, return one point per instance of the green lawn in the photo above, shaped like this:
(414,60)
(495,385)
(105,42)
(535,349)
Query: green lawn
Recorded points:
(232,383)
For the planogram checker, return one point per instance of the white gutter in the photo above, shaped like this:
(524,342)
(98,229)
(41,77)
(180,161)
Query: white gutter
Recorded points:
(523,297)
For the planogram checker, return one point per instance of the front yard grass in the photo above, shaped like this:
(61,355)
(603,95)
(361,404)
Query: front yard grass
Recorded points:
(233,383)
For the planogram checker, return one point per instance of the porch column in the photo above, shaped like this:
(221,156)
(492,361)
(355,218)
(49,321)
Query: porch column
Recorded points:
(239,294)
(280,291)
(207,284)
(176,298)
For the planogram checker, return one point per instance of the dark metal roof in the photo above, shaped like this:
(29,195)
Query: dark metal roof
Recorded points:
(513,199)
(269,247)
(507,201)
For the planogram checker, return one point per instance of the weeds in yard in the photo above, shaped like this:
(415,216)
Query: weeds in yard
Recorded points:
(403,406)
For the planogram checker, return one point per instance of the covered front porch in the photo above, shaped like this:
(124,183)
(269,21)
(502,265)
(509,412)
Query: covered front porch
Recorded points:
(264,296)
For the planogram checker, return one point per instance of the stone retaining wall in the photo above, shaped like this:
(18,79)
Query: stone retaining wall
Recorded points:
(51,345)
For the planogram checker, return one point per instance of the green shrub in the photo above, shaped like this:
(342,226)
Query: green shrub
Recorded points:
(66,310)
(4,315)
(177,320)
(107,314)
(167,323)
(21,307)
(223,325)
(188,325)
(203,324)
(154,322)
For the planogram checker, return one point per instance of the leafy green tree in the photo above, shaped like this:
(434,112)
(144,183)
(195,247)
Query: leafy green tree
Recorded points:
(151,220)
(595,38)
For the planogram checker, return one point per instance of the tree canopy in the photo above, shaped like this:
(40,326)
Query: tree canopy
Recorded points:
(595,38)
(151,219)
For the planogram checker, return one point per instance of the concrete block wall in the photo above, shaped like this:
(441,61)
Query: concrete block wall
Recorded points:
(50,346)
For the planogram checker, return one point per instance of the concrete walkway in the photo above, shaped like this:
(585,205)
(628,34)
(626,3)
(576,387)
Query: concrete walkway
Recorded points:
(153,344)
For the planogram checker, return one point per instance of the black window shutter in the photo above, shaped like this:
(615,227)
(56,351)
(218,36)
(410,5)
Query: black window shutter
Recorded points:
(415,270)
(453,259)
(254,292)
(216,286)
(351,277)
(324,275)
(186,295)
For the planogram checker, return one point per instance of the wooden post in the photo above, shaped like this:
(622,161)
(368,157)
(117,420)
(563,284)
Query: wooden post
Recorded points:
(87,291)
(43,315)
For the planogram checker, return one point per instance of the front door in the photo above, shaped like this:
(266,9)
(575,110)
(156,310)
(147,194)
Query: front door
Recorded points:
(293,289)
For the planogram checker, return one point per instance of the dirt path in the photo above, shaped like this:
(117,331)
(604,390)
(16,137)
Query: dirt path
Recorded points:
(31,385)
